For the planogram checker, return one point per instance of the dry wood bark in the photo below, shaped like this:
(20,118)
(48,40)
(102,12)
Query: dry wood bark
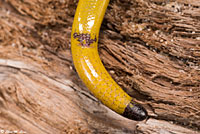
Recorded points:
(150,47)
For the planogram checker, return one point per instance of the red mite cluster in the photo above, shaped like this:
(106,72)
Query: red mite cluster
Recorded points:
(84,39)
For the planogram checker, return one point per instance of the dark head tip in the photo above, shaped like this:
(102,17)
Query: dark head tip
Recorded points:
(135,112)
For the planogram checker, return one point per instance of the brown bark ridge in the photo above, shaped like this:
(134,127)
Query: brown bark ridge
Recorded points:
(150,47)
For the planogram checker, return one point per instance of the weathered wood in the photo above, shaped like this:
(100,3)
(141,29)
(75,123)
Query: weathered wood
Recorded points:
(151,48)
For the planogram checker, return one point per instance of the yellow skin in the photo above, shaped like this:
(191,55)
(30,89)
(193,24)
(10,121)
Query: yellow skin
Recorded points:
(84,47)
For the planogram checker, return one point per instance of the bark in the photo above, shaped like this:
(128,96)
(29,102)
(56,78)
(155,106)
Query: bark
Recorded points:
(150,47)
